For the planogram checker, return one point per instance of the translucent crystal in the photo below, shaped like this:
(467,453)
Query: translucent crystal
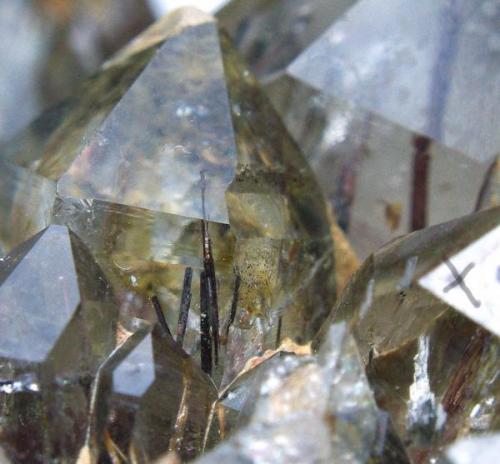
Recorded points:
(25,205)
(351,149)
(305,409)
(48,47)
(416,66)
(490,192)
(159,400)
(430,341)
(271,33)
(59,318)
(173,130)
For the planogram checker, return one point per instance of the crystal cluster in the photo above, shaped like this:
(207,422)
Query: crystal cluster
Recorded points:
(349,138)
(425,319)
(175,280)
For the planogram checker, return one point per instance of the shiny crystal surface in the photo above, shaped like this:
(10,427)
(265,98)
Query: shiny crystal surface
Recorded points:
(181,305)
(155,386)
(351,149)
(489,194)
(25,204)
(305,409)
(173,130)
(416,66)
(271,33)
(431,360)
(48,47)
(59,318)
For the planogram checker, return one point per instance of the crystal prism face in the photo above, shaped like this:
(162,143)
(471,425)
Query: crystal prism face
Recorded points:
(48,47)
(489,195)
(159,400)
(146,153)
(173,130)
(271,33)
(432,362)
(60,319)
(351,150)
(420,70)
(304,409)
(25,204)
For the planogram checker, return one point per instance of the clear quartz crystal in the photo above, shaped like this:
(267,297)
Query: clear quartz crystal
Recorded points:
(418,66)
(427,331)
(306,409)
(172,132)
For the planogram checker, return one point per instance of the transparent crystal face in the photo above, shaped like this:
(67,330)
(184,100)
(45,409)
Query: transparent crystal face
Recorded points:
(37,286)
(171,162)
(417,67)
(432,367)
(366,168)
(270,33)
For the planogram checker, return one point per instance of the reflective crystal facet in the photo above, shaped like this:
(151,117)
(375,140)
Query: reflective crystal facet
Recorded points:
(271,33)
(306,409)
(429,340)
(351,150)
(59,317)
(48,46)
(349,144)
(25,204)
(175,129)
(432,68)
(159,400)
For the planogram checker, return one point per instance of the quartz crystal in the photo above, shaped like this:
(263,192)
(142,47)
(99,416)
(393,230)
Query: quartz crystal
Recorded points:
(271,33)
(158,399)
(48,46)
(25,204)
(173,133)
(58,317)
(307,409)
(431,67)
(351,145)
(489,194)
(351,149)
(425,312)
(170,270)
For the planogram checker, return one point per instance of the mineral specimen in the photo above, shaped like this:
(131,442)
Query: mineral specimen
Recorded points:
(188,264)
(58,320)
(418,66)
(351,149)
(306,409)
(426,323)
(349,144)
(271,33)
(174,138)
(158,399)
(48,46)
